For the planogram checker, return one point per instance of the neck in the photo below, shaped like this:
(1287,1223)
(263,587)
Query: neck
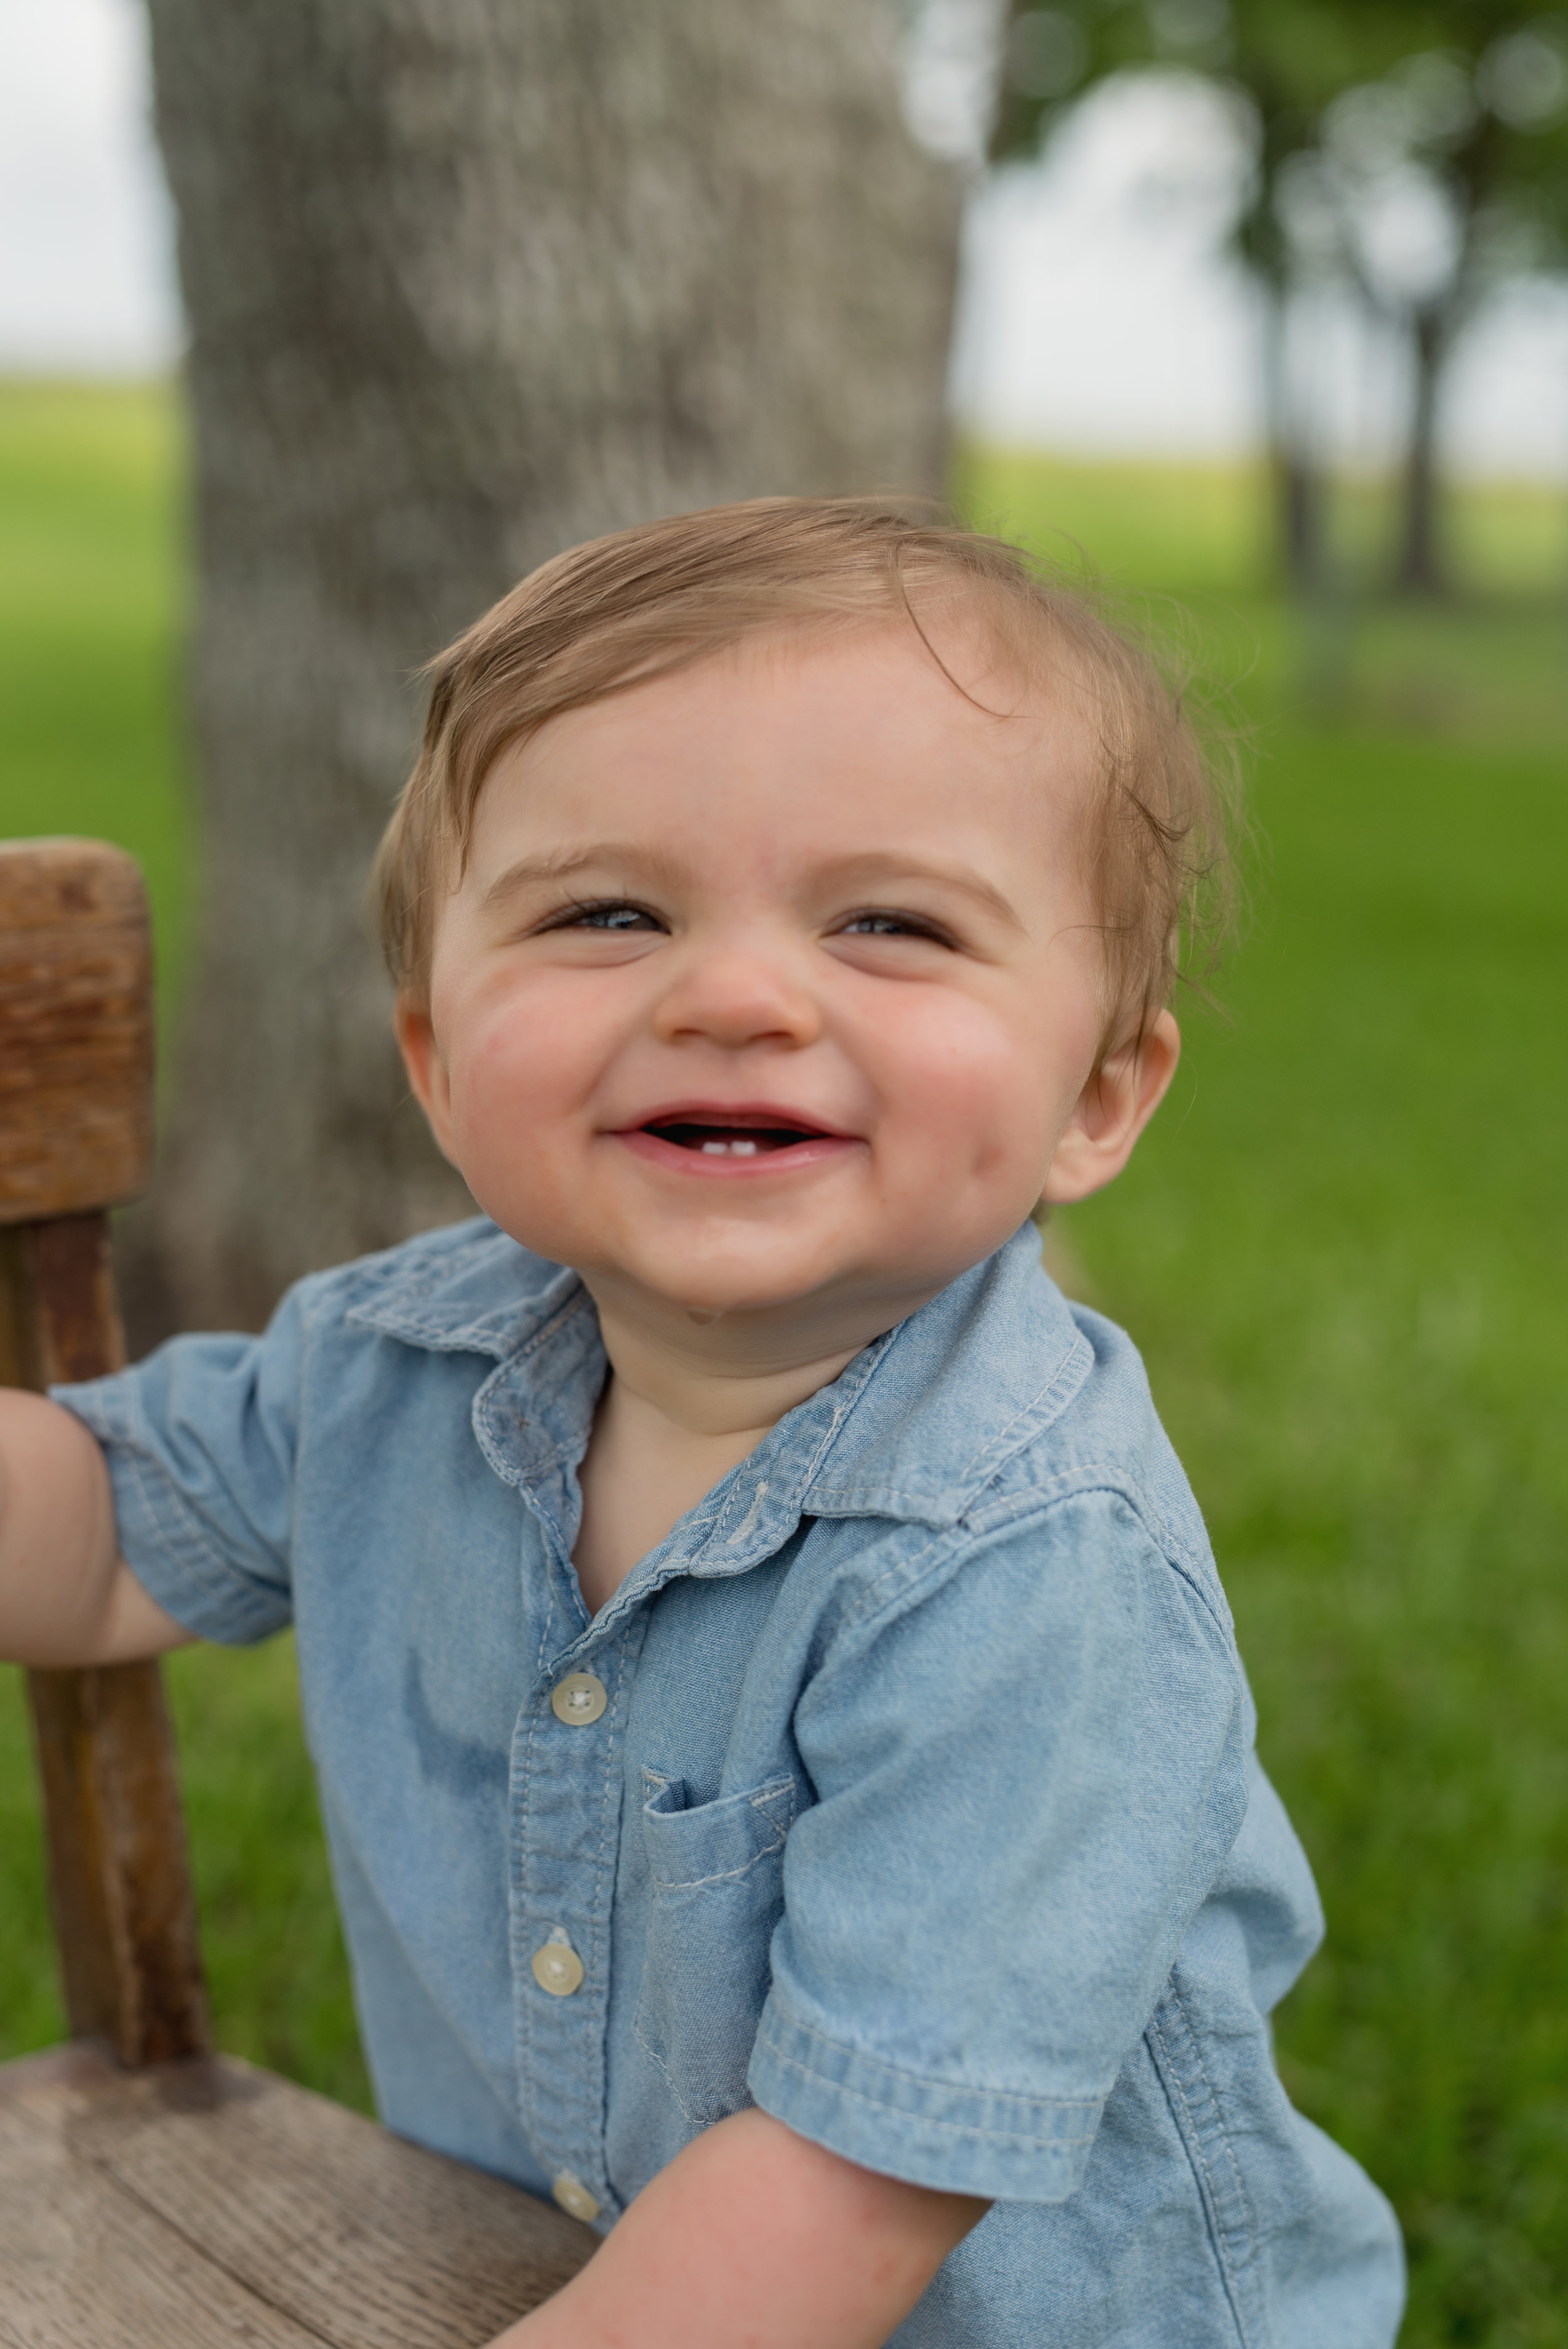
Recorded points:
(725,1375)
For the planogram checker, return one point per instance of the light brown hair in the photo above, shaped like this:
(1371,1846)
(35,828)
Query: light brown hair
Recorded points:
(621,610)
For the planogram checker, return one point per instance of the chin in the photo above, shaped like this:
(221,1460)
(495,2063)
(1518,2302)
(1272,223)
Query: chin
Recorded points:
(734,1299)
(732,1286)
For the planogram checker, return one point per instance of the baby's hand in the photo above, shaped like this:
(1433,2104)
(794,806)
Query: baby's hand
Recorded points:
(756,2235)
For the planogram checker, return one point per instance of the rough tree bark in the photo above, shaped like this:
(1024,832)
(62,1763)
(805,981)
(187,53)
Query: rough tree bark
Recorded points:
(469,280)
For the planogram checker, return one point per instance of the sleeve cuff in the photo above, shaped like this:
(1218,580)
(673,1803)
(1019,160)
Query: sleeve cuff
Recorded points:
(162,1540)
(931,2132)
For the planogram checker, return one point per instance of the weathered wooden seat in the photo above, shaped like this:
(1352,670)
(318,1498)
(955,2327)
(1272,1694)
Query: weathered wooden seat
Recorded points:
(151,2190)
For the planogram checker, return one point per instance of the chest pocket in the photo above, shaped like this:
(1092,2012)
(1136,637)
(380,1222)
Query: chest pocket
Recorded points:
(717,1876)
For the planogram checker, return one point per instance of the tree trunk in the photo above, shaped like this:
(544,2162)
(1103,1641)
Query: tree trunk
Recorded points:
(1419,570)
(468,280)
(1299,486)
(1299,495)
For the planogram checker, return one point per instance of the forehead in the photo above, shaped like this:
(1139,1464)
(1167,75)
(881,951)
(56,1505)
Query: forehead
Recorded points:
(808,735)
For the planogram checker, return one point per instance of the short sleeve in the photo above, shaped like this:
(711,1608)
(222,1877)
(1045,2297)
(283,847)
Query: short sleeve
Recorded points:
(201,1441)
(1026,1780)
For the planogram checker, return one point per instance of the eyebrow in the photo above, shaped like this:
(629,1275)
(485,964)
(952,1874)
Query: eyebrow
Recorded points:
(650,862)
(880,866)
(561,864)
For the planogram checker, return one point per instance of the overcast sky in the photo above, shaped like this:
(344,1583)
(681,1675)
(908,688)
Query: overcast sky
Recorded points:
(1097,313)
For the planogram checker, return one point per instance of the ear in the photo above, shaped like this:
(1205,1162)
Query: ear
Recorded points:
(427,1078)
(1111,1111)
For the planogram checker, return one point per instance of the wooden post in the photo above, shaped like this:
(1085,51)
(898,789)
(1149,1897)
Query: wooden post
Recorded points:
(76,1068)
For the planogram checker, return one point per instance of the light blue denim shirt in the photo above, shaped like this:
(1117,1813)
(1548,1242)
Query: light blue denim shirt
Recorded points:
(906,1789)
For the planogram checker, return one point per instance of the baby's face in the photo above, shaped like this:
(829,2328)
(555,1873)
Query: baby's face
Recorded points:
(767,984)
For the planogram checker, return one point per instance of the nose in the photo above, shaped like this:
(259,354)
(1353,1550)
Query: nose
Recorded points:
(736,992)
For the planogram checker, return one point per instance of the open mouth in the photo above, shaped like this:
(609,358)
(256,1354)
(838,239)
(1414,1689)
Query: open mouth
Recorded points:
(719,1139)
(715,1139)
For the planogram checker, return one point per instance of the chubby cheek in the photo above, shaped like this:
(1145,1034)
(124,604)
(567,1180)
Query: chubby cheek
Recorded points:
(515,1074)
(974,1104)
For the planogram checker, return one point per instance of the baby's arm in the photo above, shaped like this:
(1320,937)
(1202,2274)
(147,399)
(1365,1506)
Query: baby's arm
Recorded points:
(755,2236)
(66,1596)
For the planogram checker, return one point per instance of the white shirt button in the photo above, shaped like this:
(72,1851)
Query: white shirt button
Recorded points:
(574,2196)
(558,1968)
(579,1699)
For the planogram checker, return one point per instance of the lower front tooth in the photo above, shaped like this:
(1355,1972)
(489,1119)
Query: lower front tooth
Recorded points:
(744,1149)
(714,1149)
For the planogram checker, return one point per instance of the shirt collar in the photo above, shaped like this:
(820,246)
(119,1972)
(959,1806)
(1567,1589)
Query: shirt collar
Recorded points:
(917,1426)
(466,1290)
(960,1388)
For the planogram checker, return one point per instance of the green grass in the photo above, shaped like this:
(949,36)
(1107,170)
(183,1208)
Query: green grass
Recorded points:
(1341,1247)
(1342,1250)
(92,592)
(1345,1259)
(92,596)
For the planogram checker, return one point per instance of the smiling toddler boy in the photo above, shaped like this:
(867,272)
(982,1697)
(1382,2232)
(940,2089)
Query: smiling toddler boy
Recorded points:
(786,1765)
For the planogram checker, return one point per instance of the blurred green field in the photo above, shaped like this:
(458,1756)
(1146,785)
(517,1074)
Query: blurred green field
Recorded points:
(92,587)
(1342,1248)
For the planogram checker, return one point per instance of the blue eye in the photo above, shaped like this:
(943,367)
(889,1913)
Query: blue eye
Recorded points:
(890,926)
(614,916)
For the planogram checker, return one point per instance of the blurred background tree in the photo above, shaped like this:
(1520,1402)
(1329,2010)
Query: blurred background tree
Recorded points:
(465,286)
(1416,149)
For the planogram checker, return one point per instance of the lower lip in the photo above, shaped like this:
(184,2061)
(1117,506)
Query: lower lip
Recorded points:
(821,1150)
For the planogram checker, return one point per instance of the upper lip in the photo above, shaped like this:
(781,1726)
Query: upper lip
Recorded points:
(734,1113)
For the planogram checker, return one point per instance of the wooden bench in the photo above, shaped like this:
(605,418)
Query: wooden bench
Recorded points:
(153,2191)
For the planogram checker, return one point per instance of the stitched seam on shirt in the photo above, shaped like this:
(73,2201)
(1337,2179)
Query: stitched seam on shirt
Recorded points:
(463,1340)
(483,1402)
(782,1789)
(899,1581)
(475,1338)
(760,1802)
(519,1828)
(1034,1409)
(314,1299)
(905,1576)
(791,1505)
(180,1528)
(873,1500)
(438,1269)
(1078,1484)
(928,2120)
(918,2079)
(980,1520)
(976,1475)
(722,1876)
(1198,2152)
(574,1302)
(1198,2155)
(700,2112)
(442,1265)
(594,2134)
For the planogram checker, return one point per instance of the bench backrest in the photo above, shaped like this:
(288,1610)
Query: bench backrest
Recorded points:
(76,1139)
